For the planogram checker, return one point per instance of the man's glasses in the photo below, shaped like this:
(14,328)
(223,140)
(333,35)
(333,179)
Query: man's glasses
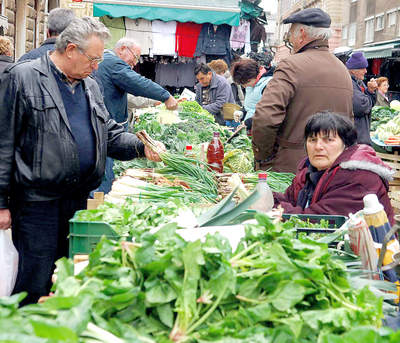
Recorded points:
(136,57)
(286,40)
(92,60)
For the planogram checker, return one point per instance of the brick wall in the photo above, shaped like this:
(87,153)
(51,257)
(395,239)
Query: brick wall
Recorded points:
(31,18)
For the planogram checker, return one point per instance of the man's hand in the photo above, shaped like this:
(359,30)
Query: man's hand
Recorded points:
(372,85)
(5,219)
(171,103)
(153,156)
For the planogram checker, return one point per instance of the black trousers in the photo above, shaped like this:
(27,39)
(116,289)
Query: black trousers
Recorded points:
(40,234)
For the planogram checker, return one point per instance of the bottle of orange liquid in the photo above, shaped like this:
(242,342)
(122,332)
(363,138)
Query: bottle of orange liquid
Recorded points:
(215,154)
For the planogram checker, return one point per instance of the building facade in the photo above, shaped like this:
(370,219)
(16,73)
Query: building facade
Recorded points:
(287,7)
(373,27)
(24,22)
(270,28)
(369,23)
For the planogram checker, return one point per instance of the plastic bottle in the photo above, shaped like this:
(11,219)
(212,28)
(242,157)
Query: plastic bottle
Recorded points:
(266,200)
(215,154)
(189,153)
(377,221)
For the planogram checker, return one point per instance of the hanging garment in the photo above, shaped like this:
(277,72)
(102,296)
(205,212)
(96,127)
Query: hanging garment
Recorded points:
(117,30)
(140,31)
(163,37)
(214,40)
(376,65)
(239,35)
(257,34)
(186,77)
(187,35)
(167,74)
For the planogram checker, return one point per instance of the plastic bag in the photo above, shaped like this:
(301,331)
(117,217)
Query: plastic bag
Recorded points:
(8,264)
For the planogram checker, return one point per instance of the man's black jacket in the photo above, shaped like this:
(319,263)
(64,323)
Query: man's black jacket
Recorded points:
(39,158)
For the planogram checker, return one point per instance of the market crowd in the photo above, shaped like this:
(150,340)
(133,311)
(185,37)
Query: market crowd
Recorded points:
(64,112)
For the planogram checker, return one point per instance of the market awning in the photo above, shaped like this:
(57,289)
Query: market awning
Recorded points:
(378,51)
(199,11)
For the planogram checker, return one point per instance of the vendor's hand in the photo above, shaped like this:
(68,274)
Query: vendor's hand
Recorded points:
(5,219)
(237,116)
(153,156)
(171,103)
(372,85)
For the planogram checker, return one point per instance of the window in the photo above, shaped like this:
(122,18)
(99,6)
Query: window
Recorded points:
(344,32)
(369,30)
(392,18)
(380,22)
(352,34)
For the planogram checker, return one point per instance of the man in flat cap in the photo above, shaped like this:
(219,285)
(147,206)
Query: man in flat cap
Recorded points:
(308,81)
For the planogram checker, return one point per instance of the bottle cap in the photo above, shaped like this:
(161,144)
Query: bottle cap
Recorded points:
(216,134)
(372,204)
(188,147)
(262,176)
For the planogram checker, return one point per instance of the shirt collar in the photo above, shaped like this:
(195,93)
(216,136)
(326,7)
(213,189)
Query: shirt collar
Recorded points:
(59,73)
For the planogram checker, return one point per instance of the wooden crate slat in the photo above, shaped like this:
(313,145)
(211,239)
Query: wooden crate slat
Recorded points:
(389,157)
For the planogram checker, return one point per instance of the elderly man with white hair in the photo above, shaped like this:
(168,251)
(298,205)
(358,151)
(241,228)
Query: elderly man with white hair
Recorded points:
(310,80)
(119,79)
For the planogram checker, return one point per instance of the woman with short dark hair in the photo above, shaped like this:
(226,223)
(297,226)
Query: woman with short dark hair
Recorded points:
(337,173)
(249,74)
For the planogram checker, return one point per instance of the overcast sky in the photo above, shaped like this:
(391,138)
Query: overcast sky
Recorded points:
(269,5)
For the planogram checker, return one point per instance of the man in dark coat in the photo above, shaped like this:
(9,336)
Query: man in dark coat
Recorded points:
(311,80)
(57,21)
(55,136)
(364,97)
(6,52)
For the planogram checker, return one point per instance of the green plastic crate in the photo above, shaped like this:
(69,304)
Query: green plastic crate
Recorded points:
(84,236)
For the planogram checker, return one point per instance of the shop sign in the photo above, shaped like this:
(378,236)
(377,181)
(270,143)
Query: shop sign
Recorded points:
(77,5)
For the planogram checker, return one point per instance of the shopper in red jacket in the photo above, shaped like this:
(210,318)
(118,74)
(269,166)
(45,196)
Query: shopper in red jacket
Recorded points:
(337,173)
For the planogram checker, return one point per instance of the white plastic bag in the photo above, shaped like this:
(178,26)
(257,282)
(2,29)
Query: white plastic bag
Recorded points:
(8,263)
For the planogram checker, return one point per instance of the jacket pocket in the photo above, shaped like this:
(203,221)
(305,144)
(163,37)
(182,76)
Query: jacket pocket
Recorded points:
(43,122)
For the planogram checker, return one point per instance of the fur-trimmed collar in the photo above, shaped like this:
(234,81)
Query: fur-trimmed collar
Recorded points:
(363,157)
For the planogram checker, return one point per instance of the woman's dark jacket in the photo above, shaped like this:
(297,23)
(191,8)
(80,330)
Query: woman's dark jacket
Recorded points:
(363,101)
(39,157)
(340,190)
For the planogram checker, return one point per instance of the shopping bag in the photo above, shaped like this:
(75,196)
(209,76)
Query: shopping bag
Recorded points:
(8,263)
(362,244)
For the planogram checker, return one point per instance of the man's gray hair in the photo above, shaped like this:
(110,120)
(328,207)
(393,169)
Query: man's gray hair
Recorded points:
(315,32)
(58,20)
(79,31)
(126,41)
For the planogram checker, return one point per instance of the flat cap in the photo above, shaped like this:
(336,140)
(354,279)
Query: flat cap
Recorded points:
(311,17)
